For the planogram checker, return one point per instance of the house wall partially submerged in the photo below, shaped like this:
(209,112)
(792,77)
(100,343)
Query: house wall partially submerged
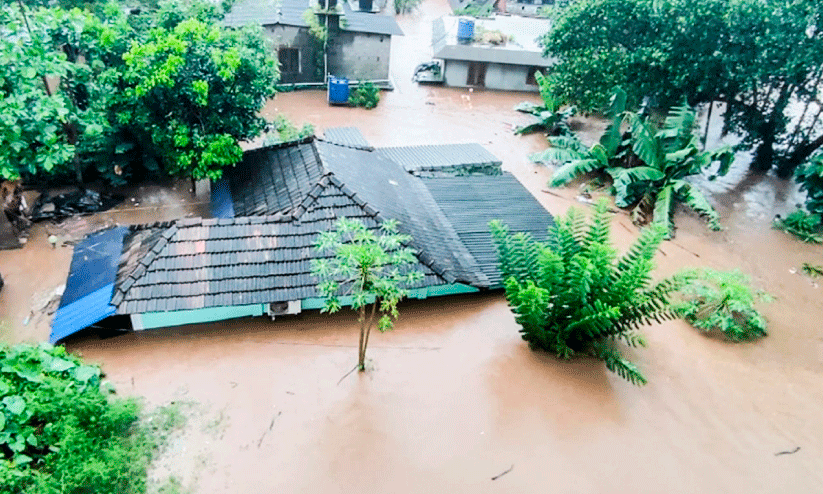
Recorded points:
(506,77)
(357,56)
(297,38)
(151,320)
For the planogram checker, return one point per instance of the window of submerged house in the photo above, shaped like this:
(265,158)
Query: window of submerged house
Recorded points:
(530,78)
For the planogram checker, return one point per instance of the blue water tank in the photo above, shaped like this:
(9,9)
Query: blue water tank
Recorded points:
(338,90)
(465,30)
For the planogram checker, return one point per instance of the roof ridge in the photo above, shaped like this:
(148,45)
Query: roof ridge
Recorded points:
(369,148)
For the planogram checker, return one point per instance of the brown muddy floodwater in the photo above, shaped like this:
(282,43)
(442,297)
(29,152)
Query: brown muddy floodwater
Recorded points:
(454,396)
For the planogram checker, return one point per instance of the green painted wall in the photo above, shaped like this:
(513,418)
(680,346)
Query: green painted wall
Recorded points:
(151,320)
(417,293)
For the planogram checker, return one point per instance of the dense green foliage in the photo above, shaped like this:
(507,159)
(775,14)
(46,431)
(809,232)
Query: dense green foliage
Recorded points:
(475,9)
(760,57)
(810,177)
(805,226)
(368,270)
(365,95)
(648,165)
(405,6)
(61,433)
(551,117)
(575,296)
(122,95)
(723,301)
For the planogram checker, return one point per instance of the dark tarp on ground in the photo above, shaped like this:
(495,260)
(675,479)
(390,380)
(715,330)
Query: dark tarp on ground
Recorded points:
(87,297)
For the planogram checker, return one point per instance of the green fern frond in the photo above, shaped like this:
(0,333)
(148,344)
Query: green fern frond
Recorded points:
(600,227)
(645,247)
(619,365)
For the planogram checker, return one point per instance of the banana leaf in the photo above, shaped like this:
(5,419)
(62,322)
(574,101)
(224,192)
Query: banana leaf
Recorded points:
(663,209)
(573,169)
(644,142)
(528,107)
(693,198)
(624,177)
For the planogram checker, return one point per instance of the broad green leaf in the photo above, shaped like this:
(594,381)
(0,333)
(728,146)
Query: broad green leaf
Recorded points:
(15,404)
(84,373)
(60,365)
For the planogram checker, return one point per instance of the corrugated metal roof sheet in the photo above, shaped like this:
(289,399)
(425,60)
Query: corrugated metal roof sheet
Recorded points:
(290,13)
(86,299)
(435,157)
(470,203)
(222,205)
(347,136)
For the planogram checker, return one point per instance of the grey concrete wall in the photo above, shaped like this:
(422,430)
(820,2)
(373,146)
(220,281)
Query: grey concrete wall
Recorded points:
(359,55)
(504,77)
(295,37)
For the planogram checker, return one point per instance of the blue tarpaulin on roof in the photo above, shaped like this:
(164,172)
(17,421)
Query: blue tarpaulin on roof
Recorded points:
(87,297)
(222,204)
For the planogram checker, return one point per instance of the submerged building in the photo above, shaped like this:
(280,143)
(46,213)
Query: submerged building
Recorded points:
(254,257)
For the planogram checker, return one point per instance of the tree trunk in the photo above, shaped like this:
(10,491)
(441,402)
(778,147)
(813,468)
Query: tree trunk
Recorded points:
(800,154)
(361,349)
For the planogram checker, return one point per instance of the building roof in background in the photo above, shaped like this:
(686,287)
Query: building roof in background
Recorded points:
(347,136)
(431,158)
(471,202)
(290,13)
(523,49)
(367,22)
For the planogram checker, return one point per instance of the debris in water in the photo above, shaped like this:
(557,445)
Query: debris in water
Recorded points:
(791,452)
(502,474)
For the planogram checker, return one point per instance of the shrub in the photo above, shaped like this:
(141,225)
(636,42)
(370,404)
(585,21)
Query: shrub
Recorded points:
(810,177)
(807,227)
(61,433)
(723,301)
(574,296)
(365,95)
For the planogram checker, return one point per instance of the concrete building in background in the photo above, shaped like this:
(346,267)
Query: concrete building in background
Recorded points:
(359,45)
(503,54)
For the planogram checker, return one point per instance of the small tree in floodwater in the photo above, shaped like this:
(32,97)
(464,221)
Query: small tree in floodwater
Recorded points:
(369,269)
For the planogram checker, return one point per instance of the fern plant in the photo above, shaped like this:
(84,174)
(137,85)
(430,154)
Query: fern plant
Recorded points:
(648,165)
(575,296)
(722,301)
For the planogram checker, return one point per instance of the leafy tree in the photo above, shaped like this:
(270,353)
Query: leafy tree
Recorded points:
(369,270)
(723,301)
(60,431)
(405,6)
(649,167)
(550,117)
(574,296)
(760,57)
(810,177)
(52,89)
(195,90)
(126,94)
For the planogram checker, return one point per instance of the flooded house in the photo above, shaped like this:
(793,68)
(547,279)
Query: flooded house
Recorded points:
(254,257)
(500,52)
(359,40)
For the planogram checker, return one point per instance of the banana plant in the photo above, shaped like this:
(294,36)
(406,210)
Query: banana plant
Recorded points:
(551,117)
(648,165)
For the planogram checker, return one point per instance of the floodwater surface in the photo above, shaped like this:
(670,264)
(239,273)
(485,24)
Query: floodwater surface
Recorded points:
(453,397)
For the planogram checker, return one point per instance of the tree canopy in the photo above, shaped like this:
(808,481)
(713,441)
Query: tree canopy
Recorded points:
(123,94)
(763,58)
